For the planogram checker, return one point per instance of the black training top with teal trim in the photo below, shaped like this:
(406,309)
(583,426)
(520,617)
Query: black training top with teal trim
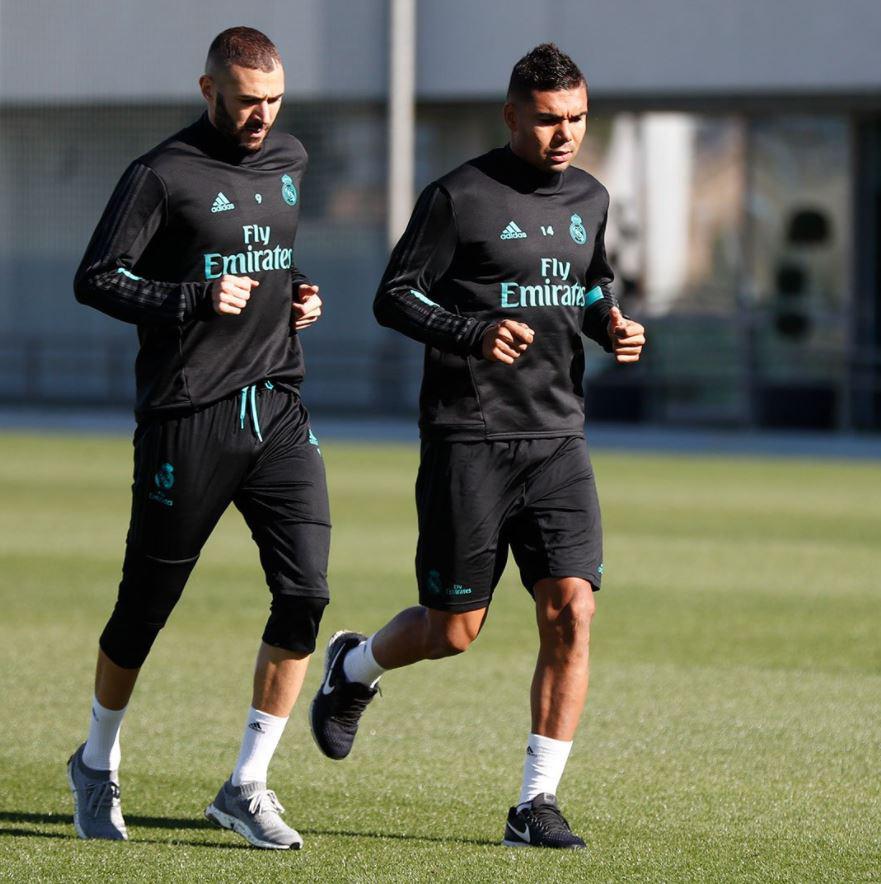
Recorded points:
(190,210)
(498,239)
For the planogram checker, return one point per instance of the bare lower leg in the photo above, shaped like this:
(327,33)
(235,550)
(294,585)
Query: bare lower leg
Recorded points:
(278,677)
(425,634)
(559,686)
(113,684)
(559,692)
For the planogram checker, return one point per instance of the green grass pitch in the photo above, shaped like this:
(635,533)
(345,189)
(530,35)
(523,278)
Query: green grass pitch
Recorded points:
(733,731)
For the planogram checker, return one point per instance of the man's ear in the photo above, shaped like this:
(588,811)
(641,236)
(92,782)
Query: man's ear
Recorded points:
(510,114)
(206,86)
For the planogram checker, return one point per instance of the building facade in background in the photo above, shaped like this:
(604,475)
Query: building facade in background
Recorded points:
(741,146)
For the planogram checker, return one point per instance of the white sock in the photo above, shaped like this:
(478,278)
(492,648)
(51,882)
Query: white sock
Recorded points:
(543,768)
(262,733)
(102,750)
(360,665)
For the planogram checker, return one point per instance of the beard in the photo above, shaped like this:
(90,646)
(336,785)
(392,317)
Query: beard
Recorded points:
(224,123)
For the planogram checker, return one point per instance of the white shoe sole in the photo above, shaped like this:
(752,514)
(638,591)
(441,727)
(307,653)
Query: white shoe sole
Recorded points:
(234,824)
(76,804)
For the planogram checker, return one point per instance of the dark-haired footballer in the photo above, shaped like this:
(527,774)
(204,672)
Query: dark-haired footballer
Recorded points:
(196,247)
(500,271)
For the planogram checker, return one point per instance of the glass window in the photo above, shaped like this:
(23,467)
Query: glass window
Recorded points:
(674,238)
(798,217)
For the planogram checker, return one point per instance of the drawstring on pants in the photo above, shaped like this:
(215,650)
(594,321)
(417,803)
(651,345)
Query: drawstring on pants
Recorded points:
(249,396)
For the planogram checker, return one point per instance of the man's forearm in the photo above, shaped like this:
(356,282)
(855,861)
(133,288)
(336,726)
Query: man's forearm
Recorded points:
(124,295)
(415,315)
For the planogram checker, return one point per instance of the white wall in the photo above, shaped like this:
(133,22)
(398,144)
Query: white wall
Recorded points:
(131,49)
(657,46)
(83,50)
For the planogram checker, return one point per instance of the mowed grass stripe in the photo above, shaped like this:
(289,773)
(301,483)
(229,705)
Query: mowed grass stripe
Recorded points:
(732,732)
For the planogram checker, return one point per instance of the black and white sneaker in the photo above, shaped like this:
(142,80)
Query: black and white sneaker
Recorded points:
(339,703)
(540,824)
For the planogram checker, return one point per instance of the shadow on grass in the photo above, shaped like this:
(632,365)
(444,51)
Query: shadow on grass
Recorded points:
(161,822)
(31,833)
(146,821)
(398,836)
(150,822)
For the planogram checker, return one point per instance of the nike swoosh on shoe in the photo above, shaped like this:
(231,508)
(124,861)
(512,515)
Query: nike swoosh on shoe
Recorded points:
(327,687)
(524,834)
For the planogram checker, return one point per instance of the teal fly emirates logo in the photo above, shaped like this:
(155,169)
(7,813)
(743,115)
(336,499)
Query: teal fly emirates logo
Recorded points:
(164,481)
(288,191)
(555,288)
(257,255)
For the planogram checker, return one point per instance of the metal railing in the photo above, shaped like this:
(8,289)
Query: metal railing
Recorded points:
(696,370)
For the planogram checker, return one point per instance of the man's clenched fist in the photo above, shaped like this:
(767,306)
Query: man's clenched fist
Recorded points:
(230,294)
(306,307)
(627,337)
(505,341)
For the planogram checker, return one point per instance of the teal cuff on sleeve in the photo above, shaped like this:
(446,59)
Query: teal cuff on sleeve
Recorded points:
(422,298)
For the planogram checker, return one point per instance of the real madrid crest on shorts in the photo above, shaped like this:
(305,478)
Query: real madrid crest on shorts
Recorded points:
(164,477)
(577,231)
(288,191)
(435,587)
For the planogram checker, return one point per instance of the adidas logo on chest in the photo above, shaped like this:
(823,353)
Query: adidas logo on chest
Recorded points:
(512,231)
(222,204)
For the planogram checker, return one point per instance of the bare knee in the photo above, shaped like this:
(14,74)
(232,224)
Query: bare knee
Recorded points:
(577,616)
(451,634)
(565,613)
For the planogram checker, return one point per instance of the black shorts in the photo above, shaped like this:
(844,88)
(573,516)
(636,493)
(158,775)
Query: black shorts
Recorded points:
(475,499)
(189,469)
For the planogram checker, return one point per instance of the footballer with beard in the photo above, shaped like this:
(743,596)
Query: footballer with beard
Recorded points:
(196,249)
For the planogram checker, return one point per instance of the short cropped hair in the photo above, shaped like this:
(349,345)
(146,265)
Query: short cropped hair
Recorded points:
(544,69)
(244,47)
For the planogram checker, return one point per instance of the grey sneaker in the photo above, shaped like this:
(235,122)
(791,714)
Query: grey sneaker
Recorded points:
(253,811)
(97,812)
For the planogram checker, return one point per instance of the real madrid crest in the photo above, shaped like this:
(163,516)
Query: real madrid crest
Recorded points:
(164,477)
(577,231)
(288,191)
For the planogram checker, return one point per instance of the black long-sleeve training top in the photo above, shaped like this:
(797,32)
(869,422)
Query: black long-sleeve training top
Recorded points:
(185,213)
(499,239)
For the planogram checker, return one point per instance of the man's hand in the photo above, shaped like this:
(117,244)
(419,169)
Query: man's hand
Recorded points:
(627,336)
(505,341)
(306,307)
(230,294)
